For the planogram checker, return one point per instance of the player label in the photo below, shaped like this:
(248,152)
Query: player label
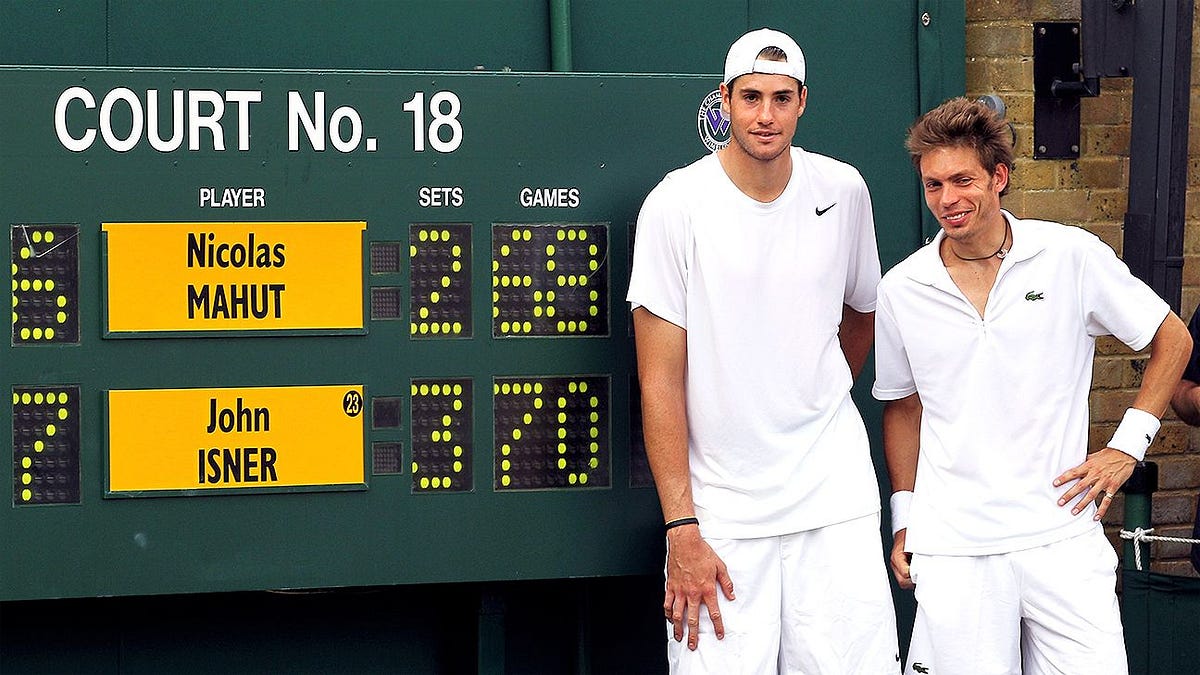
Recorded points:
(264,437)
(204,277)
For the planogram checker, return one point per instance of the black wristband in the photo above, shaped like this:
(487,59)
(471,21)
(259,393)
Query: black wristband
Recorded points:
(678,522)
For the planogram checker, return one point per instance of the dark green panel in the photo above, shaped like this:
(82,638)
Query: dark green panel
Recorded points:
(671,36)
(360,34)
(518,132)
(53,33)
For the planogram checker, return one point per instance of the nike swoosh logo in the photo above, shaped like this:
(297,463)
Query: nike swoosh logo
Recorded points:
(822,211)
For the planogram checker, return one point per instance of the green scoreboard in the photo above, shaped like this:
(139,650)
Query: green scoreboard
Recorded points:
(298,329)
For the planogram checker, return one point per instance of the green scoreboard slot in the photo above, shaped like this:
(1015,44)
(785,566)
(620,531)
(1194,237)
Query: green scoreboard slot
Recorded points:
(442,436)
(551,432)
(45,445)
(549,280)
(441,281)
(45,284)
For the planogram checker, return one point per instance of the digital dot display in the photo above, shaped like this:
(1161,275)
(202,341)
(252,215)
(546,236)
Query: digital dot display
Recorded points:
(45,445)
(45,284)
(440,268)
(385,257)
(549,280)
(551,432)
(442,432)
(387,458)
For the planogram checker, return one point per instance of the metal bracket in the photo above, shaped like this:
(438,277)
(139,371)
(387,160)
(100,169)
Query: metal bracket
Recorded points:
(1057,88)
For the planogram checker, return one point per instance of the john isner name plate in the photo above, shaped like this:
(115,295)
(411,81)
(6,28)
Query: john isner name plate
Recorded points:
(174,440)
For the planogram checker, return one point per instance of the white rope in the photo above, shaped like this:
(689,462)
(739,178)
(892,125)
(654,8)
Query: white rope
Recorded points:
(1140,536)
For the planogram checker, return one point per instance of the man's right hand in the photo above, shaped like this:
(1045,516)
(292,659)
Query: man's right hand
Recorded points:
(900,561)
(694,571)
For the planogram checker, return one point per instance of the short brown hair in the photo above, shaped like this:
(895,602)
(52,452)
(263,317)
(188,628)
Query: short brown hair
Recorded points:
(960,122)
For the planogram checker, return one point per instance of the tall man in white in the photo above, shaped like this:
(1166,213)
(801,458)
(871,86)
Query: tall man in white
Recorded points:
(753,289)
(985,344)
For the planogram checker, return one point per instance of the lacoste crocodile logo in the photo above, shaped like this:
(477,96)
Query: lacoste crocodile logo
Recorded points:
(917,667)
(1034,296)
(822,211)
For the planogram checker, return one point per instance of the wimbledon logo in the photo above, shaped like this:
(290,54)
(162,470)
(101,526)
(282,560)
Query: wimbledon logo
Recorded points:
(712,124)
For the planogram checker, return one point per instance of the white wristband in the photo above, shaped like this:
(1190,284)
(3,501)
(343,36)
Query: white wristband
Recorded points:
(1135,433)
(900,502)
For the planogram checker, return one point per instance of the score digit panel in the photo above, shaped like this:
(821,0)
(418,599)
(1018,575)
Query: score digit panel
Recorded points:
(45,284)
(551,432)
(549,280)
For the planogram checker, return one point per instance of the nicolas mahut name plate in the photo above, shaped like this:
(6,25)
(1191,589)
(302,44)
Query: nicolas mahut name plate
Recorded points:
(172,278)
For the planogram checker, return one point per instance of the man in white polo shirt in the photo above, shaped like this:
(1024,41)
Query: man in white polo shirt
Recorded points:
(985,341)
(753,288)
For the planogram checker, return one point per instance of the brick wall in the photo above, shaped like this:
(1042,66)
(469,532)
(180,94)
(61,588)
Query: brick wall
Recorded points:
(1091,192)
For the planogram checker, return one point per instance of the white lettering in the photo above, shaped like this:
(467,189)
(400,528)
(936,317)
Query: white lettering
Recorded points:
(233,197)
(152,113)
(212,121)
(145,120)
(440,196)
(546,197)
(135,110)
(242,99)
(314,124)
(72,143)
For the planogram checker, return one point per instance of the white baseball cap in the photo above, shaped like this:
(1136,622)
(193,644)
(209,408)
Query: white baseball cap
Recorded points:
(743,56)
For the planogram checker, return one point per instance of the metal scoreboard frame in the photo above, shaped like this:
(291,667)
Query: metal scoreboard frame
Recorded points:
(312,329)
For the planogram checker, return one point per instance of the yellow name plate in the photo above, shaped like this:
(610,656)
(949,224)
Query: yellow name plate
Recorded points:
(203,277)
(253,438)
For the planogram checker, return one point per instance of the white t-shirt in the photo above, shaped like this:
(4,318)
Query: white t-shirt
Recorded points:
(1005,396)
(775,442)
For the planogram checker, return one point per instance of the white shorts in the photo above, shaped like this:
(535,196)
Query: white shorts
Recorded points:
(1046,610)
(815,602)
